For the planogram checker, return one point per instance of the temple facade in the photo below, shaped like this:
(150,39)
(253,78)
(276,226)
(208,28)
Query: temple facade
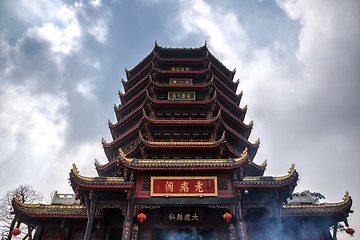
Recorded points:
(180,166)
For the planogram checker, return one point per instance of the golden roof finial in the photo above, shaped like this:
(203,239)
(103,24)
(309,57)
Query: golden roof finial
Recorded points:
(234,71)
(97,162)
(257,141)
(126,70)
(244,153)
(205,44)
(103,141)
(115,106)
(251,123)
(110,123)
(123,81)
(264,163)
(245,108)
(346,196)
(241,93)
(292,168)
(75,169)
(120,93)
(156,43)
(237,81)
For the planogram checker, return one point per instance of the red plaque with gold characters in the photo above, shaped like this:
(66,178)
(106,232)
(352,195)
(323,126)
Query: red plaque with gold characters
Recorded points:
(180,81)
(183,186)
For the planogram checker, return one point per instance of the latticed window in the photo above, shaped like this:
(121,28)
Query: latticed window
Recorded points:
(223,185)
(145,185)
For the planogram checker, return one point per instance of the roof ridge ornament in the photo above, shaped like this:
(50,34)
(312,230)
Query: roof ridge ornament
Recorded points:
(346,196)
(115,107)
(156,43)
(251,123)
(103,141)
(75,169)
(205,44)
(237,81)
(264,164)
(243,155)
(245,108)
(292,168)
(97,163)
(257,141)
(120,93)
(110,123)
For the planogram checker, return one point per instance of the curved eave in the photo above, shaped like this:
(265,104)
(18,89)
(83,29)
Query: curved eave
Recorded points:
(233,116)
(218,61)
(96,182)
(131,101)
(324,209)
(48,211)
(124,135)
(238,135)
(230,101)
(123,96)
(268,181)
(151,54)
(261,168)
(182,164)
(181,144)
(128,116)
(176,72)
(228,78)
(181,86)
(159,48)
(131,78)
(181,121)
(180,102)
(237,97)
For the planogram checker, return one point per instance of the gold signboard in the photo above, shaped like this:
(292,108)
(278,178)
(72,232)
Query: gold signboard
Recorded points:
(183,186)
(180,81)
(181,96)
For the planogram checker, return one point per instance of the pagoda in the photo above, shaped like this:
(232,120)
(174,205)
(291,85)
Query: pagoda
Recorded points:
(181,166)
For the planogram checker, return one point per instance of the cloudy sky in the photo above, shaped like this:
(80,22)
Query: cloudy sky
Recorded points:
(298,61)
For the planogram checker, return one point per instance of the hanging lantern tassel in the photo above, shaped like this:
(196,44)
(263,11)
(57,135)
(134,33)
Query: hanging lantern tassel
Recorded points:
(350,231)
(227,216)
(15,232)
(141,217)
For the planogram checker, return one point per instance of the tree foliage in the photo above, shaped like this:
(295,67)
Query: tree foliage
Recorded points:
(27,194)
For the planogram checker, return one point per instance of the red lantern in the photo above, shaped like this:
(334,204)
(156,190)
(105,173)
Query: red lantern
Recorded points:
(15,232)
(227,216)
(350,231)
(141,217)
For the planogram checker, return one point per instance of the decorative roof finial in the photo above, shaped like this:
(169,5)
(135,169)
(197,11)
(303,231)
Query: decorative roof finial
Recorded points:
(237,81)
(264,163)
(346,196)
(292,168)
(205,44)
(257,141)
(120,93)
(123,81)
(97,162)
(156,43)
(75,169)
(251,123)
(103,141)
(241,93)
(110,123)
(245,108)
(234,71)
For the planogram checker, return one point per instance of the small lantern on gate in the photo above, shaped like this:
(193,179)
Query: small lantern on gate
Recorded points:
(350,231)
(141,217)
(227,216)
(15,232)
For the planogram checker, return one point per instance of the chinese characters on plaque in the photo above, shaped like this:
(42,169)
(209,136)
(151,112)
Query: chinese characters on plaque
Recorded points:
(180,81)
(183,186)
(183,96)
(180,69)
(183,216)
